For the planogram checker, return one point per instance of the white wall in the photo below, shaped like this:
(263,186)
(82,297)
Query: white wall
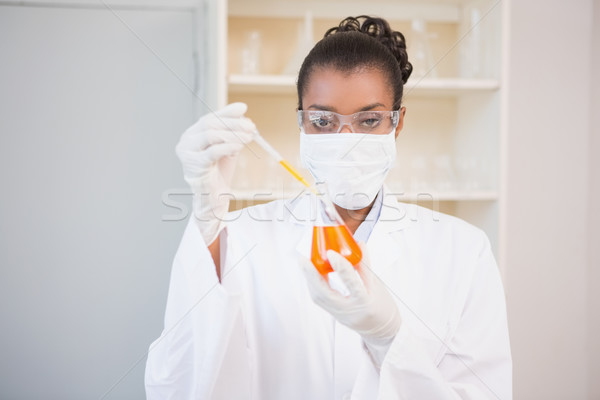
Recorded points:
(547,196)
(89,120)
(594,218)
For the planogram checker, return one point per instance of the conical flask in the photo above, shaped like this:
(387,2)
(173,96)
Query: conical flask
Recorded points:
(330,233)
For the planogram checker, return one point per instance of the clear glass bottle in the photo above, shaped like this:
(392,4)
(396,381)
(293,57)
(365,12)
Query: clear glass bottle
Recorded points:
(331,233)
(251,54)
(420,51)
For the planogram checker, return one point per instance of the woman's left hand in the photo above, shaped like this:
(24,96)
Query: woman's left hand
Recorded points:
(368,309)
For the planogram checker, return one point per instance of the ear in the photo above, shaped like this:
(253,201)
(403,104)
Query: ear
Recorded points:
(400,121)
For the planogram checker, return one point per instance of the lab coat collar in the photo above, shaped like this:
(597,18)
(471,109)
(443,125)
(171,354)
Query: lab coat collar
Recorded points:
(383,244)
(394,215)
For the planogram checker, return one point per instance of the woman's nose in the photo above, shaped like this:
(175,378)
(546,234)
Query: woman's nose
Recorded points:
(346,128)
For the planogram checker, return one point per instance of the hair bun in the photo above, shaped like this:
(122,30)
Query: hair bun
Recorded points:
(379,29)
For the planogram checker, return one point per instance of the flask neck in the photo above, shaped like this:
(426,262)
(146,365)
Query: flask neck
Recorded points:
(327,214)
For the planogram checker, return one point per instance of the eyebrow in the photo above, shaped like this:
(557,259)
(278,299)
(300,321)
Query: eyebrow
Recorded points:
(333,109)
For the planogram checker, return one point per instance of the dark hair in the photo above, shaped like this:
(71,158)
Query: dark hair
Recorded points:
(352,46)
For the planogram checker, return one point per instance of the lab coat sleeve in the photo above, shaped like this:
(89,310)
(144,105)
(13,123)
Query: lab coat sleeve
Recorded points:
(476,361)
(201,321)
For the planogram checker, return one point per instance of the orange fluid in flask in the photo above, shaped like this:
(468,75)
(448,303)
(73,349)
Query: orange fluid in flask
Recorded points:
(337,238)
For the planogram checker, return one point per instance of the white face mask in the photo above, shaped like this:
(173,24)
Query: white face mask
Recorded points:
(354,165)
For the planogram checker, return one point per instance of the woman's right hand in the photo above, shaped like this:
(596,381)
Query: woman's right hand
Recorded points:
(208,151)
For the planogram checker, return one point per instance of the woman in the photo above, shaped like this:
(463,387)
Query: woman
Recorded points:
(248,316)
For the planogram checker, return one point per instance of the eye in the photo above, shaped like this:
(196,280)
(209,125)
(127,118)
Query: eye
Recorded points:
(322,120)
(370,120)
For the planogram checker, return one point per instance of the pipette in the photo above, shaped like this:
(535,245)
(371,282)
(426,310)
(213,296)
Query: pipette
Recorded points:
(284,163)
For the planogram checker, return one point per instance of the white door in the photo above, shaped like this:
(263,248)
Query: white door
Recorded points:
(92,103)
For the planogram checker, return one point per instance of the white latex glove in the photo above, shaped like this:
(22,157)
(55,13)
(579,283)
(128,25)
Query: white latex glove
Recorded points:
(207,150)
(369,309)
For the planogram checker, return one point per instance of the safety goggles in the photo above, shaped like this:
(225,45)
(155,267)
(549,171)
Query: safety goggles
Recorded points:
(374,122)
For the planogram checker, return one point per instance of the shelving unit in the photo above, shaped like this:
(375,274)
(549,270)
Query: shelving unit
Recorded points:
(286,84)
(449,150)
(268,194)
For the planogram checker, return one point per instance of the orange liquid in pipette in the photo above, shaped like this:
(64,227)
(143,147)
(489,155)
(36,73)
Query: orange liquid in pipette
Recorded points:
(294,172)
(337,238)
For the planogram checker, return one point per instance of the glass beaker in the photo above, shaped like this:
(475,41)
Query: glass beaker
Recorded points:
(420,50)
(331,233)
(251,54)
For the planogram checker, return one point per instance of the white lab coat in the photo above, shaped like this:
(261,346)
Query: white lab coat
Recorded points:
(258,334)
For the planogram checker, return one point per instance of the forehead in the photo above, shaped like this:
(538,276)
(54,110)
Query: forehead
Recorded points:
(347,92)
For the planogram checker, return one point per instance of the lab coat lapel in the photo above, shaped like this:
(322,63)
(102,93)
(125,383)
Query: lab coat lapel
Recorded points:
(302,211)
(305,242)
(384,248)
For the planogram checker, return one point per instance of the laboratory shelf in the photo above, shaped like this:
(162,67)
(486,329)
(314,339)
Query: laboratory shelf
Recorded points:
(449,158)
(444,11)
(282,84)
(286,84)
(449,196)
(449,87)
(429,196)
